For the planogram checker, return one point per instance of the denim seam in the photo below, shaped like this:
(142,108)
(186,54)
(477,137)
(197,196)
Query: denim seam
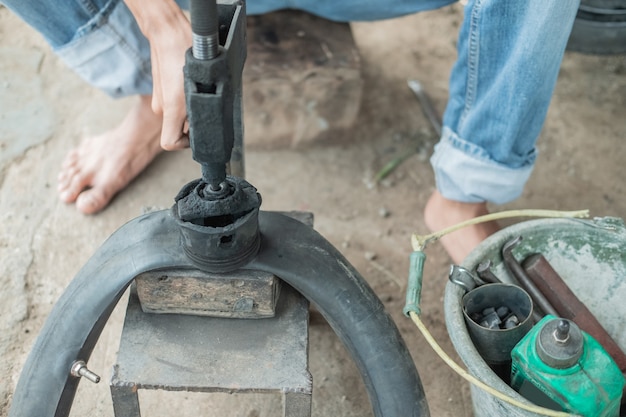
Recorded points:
(471,177)
(136,57)
(473,56)
(90,7)
(99,19)
(102,22)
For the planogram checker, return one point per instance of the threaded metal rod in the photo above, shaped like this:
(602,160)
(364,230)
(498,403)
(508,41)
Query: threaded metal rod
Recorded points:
(204,27)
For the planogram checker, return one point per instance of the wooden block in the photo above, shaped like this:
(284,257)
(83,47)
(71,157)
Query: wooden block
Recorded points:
(302,79)
(240,294)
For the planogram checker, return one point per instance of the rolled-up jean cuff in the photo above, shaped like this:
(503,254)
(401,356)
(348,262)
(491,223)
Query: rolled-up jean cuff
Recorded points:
(471,177)
(111,55)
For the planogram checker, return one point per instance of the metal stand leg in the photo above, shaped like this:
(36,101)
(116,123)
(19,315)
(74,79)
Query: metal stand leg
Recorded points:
(296,404)
(125,400)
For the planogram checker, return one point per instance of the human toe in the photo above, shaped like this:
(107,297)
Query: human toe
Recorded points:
(93,200)
(72,158)
(71,183)
(66,176)
(69,168)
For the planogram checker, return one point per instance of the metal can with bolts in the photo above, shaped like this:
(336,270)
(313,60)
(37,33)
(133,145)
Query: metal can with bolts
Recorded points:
(493,341)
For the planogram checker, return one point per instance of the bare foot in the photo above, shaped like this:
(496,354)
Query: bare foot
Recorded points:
(103,165)
(441,213)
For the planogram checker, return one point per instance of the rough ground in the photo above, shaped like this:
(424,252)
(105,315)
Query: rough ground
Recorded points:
(45,110)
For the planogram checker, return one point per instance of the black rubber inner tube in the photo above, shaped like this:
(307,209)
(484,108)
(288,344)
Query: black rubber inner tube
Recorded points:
(291,250)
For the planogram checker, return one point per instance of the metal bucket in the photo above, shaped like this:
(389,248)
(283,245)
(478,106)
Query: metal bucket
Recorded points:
(590,256)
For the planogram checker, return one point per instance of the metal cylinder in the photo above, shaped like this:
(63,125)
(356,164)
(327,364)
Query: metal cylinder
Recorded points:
(219,230)
(495,345)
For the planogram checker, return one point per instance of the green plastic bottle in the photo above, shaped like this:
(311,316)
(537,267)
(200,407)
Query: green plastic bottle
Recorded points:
(557,365)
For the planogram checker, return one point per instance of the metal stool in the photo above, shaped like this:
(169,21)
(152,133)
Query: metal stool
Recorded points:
(176,352)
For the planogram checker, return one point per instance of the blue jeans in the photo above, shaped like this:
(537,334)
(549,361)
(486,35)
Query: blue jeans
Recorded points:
(509,54)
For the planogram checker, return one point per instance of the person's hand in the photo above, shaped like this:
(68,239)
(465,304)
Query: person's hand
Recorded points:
(169,32)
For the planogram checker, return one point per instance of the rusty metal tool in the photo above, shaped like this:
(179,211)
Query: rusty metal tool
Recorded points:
(462,277)
(431,114)
(524,280)
(552,285)
(485,273)
(427,105)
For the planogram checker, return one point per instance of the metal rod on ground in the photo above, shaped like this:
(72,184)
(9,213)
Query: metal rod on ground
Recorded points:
(431,114)
(427,105)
